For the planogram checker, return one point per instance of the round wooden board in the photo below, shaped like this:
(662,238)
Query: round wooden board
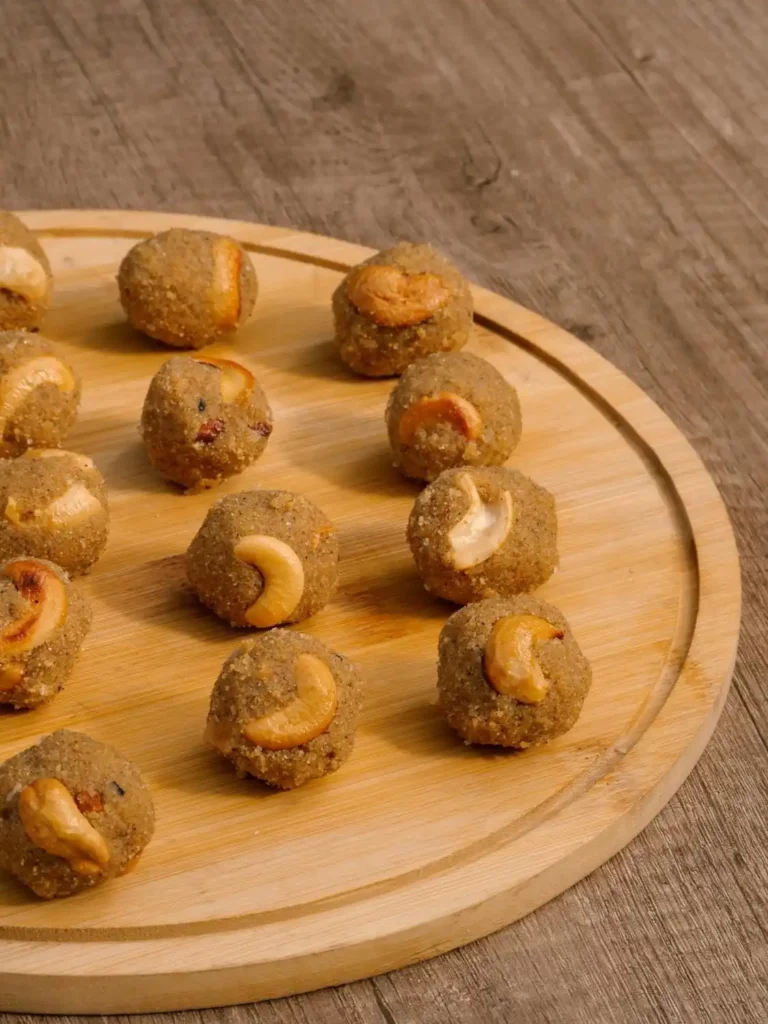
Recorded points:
(419,844)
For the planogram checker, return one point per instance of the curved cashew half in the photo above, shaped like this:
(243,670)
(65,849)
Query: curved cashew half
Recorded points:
(53,453)
(307,716)
(510,661)
(17,384)
(53,822)
(75,505)
(225,289)
(283,574)
(447,408)
(236,380)
(43,608)
(392,298)
(22,274)
(482,529)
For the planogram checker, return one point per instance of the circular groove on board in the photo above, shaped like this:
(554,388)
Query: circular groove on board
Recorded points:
(608,761)
(602,764)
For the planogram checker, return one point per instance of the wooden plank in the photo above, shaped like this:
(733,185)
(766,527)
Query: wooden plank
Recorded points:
(604,164)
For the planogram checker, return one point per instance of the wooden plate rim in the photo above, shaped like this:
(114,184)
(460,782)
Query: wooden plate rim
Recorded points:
(713,582)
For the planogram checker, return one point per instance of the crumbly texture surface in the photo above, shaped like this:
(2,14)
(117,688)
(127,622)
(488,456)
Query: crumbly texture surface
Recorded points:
(441,444)
(525,560)
(16,311)
(46,668)
(33,484)
(193,436)
(96,776)
(228,585)
(377,351)
(47,413)
(167,288)
(257,679)
(480,714)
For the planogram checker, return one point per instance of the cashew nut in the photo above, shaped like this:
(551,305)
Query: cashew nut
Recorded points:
(482,529)
(43,609)
(75,505)
(430,411)
(510,661)
(17,384)
(236,380)
(22,274)
(283,575)
(307,716)
(53,822)
(393,298)
(52,453)
(225,289)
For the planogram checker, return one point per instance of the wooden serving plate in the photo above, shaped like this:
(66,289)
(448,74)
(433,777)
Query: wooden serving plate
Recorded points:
(420,843)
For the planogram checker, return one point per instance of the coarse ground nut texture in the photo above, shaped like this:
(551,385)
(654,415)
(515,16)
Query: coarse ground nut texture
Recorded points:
(193,434)
(525,559)
(187,288)
(35,663)
(377,350)
(107,789)
(39,394)
(477,711)
(259,678)
(228,585)
(53,505)
(452,409)
(18,310)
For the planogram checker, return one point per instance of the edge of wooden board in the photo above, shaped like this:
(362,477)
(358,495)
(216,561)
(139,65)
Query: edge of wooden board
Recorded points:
(430,915)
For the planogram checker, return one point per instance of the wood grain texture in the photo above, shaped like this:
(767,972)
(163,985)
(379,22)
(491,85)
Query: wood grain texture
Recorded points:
(602,163)
(257,897)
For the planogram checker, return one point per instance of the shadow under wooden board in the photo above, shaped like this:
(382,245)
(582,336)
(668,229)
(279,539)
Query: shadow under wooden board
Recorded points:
(420,843)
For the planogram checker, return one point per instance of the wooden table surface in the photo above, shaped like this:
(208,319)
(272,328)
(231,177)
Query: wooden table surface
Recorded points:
(604,163)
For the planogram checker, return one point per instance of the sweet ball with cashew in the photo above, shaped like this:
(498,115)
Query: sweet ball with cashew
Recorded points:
(204,419)
(400,305)
(43,622)
(187,288)
(53,505)
(511,673)
(284,709)
(264,558)
(479,532)
(26,282)
(39,394)
(74,813)
(451,409)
